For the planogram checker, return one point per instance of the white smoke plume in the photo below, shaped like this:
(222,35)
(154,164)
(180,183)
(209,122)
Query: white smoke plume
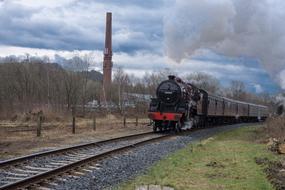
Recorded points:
(248,28)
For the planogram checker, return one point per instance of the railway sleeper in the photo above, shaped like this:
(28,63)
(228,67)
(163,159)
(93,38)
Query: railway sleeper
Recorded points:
(48,184)
(37,168)
(26,171)
(17,174)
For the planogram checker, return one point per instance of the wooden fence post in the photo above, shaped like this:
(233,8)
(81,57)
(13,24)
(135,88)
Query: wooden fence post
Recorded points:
(94,123)
(73,120)
(39,126)
(137,120)
(73,125)
(124,120)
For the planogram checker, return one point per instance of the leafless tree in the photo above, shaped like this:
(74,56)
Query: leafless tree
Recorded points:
(237,89)
(120,84)
(87,59)
(33,83)
(205,81)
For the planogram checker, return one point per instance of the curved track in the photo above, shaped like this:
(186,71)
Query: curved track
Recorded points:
(36,170)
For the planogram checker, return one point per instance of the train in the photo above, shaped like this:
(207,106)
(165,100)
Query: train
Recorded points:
(181,106)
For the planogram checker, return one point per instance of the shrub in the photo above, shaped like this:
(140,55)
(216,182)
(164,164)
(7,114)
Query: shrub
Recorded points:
(275,127)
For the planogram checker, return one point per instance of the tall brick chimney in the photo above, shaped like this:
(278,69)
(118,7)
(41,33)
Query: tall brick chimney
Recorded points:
(107,64)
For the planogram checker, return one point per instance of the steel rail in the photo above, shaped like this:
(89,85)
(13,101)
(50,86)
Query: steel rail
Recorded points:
(49,152)
(63,169)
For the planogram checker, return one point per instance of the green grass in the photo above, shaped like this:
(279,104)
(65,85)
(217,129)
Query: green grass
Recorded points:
(225,161)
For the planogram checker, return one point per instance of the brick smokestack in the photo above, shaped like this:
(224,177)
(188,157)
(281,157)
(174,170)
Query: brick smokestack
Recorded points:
(107,64)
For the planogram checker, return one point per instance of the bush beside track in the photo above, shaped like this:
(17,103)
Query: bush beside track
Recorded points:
(225,161)
(275,128)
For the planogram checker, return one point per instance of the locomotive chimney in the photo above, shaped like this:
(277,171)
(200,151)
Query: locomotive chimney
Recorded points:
(107,63)
(171,77)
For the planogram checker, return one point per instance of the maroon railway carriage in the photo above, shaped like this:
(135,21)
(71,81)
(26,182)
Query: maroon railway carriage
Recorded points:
(181,105)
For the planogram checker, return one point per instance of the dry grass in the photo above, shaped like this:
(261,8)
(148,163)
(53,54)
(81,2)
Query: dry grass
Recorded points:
(32,116)
(19,138)
(62,121)
(275,127)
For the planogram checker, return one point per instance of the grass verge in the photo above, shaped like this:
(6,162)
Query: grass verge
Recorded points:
(225,161)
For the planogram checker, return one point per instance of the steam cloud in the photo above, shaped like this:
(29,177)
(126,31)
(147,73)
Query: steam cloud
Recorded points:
(234,28)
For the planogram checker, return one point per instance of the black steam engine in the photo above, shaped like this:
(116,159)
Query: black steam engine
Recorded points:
(181,105)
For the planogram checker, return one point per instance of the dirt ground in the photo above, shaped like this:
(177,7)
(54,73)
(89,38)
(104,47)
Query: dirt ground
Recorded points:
(18,139)
(276,174)
(275,171)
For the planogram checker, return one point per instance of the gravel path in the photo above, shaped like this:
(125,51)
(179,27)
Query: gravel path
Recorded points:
(117,169)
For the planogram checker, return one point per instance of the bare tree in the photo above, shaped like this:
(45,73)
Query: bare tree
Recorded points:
(151,82)
(237,89)
(72,83)
(121,83)
(87,59)
(205,82)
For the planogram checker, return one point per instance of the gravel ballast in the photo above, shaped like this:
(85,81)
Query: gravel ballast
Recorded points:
(52,161)
(117,169)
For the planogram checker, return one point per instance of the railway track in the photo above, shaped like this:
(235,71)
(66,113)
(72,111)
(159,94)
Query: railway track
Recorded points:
(39,170)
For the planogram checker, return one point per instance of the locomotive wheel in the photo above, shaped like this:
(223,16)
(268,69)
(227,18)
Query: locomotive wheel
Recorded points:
(157,127)
(154,128)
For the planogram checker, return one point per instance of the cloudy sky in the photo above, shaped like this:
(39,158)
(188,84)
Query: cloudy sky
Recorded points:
(230,39)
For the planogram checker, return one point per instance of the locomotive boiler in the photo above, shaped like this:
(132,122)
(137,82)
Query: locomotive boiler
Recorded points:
(179,105)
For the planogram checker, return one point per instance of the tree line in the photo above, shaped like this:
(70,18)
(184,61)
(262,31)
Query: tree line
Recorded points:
(29,85)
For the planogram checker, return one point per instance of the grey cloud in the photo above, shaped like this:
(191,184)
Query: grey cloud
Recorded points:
(150,4)
(80,25)
(228,27)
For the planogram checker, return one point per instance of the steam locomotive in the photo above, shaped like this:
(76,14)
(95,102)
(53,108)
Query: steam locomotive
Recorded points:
(179,105)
